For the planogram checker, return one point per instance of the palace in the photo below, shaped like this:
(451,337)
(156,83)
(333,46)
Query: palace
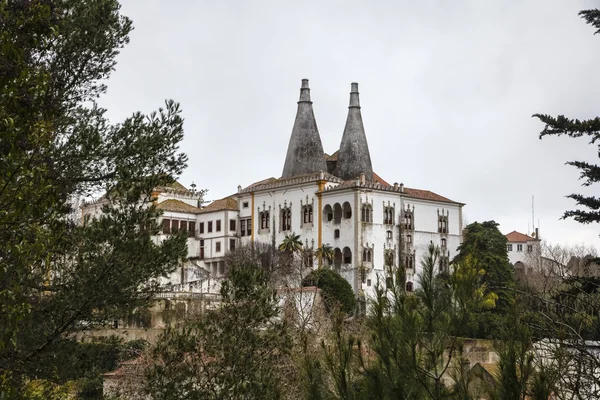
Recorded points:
(335,200)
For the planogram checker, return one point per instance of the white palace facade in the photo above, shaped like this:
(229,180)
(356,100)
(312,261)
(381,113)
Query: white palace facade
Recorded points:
(326,199)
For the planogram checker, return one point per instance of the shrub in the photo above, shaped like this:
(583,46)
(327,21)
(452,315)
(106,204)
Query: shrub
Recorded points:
(337,292)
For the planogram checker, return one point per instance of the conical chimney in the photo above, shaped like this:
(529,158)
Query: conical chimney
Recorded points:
(354,157)
(305,150)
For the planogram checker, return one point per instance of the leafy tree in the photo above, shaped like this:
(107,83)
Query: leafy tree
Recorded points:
(337,292)
(486,244)
(326,252)
(58,277)
(291,243)
(234,352)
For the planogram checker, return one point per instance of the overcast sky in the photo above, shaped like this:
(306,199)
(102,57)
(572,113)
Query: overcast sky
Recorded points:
(447,92)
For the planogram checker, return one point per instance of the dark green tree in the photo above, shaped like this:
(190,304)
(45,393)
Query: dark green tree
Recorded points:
(59,275)
(234,352)
(486,244)
(574,128)
(337,292)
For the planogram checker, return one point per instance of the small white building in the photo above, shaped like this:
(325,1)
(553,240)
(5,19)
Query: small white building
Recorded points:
(523,251)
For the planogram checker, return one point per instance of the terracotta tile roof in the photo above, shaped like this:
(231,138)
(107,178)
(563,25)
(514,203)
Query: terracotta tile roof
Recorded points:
(515,236)
(177,206)
(274,182)
(228,203)
(263,182)
(408,192)
(426,195)
(379,179)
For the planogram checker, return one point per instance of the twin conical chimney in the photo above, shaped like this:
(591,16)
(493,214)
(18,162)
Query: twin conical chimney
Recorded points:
(305,150)
(354,157)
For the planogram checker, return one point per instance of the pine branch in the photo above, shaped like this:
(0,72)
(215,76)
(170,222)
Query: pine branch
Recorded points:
(591,17)
(562,125)
(590,171)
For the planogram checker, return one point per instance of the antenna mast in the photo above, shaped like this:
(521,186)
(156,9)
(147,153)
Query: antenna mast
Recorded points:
(533,213)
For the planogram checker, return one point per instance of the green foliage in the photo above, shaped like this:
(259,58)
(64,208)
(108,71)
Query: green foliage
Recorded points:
(326,252)
(574,128)
(414,336)
(59,275)
(337,292)
(484,243)
(291,243)
(233,352)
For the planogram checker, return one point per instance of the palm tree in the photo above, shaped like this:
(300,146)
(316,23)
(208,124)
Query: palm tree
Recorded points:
(291,243)
(326,251)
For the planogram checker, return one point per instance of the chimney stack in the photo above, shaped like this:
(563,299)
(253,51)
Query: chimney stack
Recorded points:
(354,157)
(305,151)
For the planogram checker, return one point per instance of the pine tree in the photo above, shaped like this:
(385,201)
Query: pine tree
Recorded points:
(574,128)
(59,276)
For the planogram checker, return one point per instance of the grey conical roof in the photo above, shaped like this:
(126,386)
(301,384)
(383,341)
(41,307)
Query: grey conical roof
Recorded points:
(354,157)
(305,150)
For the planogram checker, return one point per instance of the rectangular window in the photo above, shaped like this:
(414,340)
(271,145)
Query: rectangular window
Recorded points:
(519,247)
(209,226)
(368,282)
(249,226)
(217,247)
(232,224)
(245,204)
(243,227)
(529,248)
(509,247)
(174,226)
(336,234)
(191,228)
(202,249)
(201,228)
(166,226)
(218,227)
(231,244)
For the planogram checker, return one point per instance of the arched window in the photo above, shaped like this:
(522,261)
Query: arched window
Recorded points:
(367,255)
(409,287)
(327,213)
(444,242)
(285,217)
(388,215)
(337,259)
(347,210)
(307,214)
(347,255)
(337,213)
